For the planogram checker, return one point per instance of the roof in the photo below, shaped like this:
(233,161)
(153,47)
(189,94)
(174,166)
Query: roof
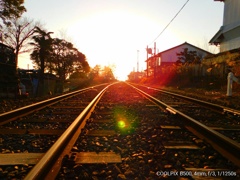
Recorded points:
(185,44)
(4,45)
(217,38)
(223,31)
(224,52)
(149,58)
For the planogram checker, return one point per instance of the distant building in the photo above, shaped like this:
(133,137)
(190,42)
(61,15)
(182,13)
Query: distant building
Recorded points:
(7,55)
(30,79)
(8,72)
(228,36)
(169,57)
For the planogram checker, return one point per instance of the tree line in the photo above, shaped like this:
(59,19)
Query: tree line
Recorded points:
(53,55)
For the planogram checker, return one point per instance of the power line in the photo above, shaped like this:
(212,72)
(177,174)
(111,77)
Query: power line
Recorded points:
(169,22)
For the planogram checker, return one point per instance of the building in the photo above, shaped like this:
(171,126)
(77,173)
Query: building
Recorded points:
(8,72)
(228,36)
(169,57)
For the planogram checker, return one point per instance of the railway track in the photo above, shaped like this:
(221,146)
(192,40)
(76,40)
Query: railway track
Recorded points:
(222,119)
(28,132)
(121,134)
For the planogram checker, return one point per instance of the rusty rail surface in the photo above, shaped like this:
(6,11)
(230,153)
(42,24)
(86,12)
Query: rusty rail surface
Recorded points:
(43,169)
(23,111)
(215,107)
(224,145)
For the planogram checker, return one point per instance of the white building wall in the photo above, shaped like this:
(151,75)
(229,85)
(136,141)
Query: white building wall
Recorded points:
(231,25)
(230,44)
(231,12)
(171,55)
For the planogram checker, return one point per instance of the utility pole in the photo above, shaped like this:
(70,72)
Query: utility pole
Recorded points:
(137,60)
(155,64)
(147,61)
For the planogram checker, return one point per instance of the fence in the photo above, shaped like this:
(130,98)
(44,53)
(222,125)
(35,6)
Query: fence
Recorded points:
(197,75)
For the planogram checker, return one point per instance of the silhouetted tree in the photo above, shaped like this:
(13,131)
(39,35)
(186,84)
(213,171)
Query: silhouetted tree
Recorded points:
(66,59)
(107,73)
(95,71)
(101,74)
(187,57)
(77,75)
(81,64)
(42,46)
(11,9)
(19,34)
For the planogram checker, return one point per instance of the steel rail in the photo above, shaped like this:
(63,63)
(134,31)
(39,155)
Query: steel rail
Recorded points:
(224,145)
(215,107)
(43,168)
(23,111)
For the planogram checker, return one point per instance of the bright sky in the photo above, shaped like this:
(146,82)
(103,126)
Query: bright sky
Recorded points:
(117,32)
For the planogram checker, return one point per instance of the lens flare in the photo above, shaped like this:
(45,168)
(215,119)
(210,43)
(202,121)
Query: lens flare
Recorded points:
(121,124)
(126,120)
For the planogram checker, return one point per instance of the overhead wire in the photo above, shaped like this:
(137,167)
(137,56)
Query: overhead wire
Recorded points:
(170,22)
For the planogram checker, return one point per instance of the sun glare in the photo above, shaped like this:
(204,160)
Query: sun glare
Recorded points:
(113,37)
